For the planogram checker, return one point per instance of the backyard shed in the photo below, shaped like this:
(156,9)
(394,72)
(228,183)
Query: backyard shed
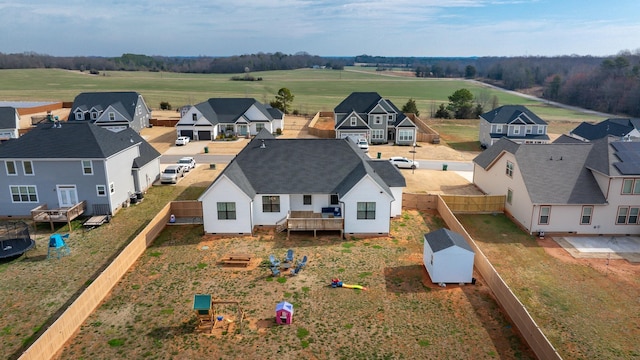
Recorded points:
(284,313)
(448,257)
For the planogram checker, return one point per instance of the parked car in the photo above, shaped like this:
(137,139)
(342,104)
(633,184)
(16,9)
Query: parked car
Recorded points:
(363,144)
(182,140)
(171,174)
(404,163)
(187,163)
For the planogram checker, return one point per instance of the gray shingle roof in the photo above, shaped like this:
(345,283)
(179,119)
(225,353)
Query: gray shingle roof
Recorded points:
(229,110)
(75,140)
(444,238)
(124,101)
(7,117)
(512,113)
(613,157)
(552,173)
(305,166)
(615,127)
(363,103)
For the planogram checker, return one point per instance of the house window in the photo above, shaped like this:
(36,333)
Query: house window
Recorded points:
(544,215)
(353,121)
(94,115)
(516,130)
(366,210)
(540,130)
(112,188)
(627,215)
(389,119)
(112,116)
(528,129)
(377,119)
(587,213)
(24,194)
(259,126)
(139,109)
(101,190)
(27,166)
(334,199)
(509,196)
(271,204)
(306,199)
(226,211)
(194,117)
(377,134)
(499,129)
(631,187)
(79,115)
(87,167)
(509,170)
(11,168)
(405,135)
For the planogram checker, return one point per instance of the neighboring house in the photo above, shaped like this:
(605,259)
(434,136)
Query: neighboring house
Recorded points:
(287,182)
(515,122)
(569,187)
(227,117)
(63,165)
(617,127)
(367,115)
(9,123)
(114,111)
(447,257)
(278,118)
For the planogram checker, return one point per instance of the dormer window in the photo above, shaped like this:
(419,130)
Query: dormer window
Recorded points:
(79,115)
(194,117)
(353,121)
(112,116)
(94,115)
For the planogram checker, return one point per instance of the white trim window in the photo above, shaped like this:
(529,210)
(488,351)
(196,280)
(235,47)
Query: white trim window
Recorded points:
(377,134)
(353,121)
(627,215)
(271,204)
(509,169)
(87,167)
(112,116)
(377,119)
(587,214)
(94,115)
(24,193)
(259,126)
(405,135)
(306,200)
(498,129)
(226,210)
(79,115)
(509,196)
(10,166)
(194,117)
(516,130)
(545,212)
(630,187)
(390,119)
(540,130)
(27,167)
(366,210)
(528,129)
(101,190)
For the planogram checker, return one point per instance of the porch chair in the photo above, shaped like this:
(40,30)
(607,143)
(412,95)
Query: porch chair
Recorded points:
(289,256)
(274,262)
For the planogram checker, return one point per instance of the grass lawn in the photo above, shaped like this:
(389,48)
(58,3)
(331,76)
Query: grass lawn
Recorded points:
(585,312)
(401,315)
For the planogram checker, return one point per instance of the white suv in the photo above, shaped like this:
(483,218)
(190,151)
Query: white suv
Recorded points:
(171,174)
(187,163)
(182,140)
(363,144)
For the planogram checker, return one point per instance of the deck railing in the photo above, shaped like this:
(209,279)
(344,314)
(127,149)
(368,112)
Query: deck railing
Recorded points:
(43,214)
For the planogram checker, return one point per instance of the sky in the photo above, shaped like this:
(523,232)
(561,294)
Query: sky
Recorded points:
(429,28)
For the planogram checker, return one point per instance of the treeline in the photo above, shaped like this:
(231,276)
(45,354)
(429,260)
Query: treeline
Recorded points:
(204,64)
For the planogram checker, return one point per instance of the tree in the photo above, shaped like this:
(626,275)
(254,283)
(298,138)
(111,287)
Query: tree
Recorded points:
(470,72)
(553,89)
(283,100)
(442,113)
(411,107)
(461,104)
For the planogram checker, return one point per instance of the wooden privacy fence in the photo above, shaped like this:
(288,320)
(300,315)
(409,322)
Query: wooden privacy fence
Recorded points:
(186,209)
(521,318)
(54,338)
(421,202)
(475,203)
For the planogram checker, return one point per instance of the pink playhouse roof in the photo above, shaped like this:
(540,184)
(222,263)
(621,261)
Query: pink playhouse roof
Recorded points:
(284,306)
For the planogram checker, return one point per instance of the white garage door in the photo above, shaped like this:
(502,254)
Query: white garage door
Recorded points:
(355,136)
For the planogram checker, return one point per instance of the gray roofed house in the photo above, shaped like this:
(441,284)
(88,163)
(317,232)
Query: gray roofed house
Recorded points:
(515,122)
(115,110)
(567,186)
(278,181)
(368,115)
(228,117)
(619,127)
(9,122)
(80,162)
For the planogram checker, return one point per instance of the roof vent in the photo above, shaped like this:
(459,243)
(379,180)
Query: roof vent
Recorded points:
(263,146)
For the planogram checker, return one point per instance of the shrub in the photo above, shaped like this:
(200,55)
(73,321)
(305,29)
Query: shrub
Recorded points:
(164,105)
(278,131)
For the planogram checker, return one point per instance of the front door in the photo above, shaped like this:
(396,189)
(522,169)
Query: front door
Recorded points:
(67,195)
(242,129)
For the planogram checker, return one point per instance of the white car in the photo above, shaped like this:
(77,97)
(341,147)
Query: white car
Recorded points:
(404,163)
(187,163)
(363,144)
(171,174)
(182,140)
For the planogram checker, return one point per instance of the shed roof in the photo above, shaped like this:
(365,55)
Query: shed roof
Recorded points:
(444,238)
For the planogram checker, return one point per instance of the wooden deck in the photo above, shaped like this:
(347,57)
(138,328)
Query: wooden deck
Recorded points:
(310,221)
(61,215)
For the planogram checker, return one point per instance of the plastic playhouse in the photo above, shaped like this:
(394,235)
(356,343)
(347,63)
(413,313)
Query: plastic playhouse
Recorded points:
(284,313)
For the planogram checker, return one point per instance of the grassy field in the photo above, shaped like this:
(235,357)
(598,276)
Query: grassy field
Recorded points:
(314,89)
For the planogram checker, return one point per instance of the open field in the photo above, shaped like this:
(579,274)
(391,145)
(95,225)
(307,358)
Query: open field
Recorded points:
(401,315)
(315,90)
(586,308)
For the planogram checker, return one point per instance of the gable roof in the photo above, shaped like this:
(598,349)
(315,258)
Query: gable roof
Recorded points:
(552,173)
(276,114)
(147,152)
(306,166)
(75,140)
(123,101)
(444,238)
(364,103)
(614,157)
(616,127)
(507,114)
(7,117)
(229,110)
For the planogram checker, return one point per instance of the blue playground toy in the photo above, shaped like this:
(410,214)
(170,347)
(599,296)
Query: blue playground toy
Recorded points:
(58,246)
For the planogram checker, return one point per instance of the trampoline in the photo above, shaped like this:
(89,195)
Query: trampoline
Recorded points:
(14,239)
